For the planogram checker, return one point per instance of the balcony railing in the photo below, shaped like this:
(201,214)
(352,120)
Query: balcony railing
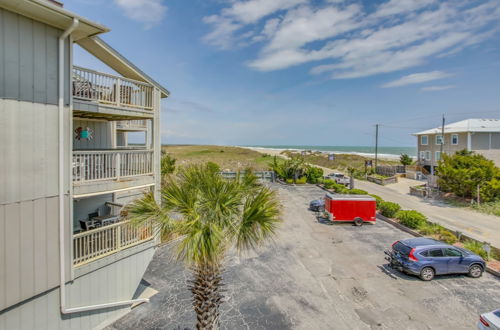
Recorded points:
(113,90)
(132,124)
(100,165)
(98,243)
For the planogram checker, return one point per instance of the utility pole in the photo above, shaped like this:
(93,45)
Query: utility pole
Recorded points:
(442,139)
(376,146)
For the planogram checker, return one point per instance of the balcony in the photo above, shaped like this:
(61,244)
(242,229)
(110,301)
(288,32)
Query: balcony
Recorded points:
(101,95)
(98,243)
(132,125)
(107,170)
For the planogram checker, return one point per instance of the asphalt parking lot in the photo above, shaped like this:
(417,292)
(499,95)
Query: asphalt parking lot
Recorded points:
(318,276)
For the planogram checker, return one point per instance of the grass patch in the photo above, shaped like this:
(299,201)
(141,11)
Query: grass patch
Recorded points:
(488,208)
(228,158)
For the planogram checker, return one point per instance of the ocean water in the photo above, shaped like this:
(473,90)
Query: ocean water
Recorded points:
(359,150)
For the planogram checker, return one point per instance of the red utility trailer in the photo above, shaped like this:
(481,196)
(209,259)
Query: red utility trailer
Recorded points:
(353,208)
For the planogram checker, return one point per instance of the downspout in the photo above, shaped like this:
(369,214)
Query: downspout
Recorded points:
(62,256)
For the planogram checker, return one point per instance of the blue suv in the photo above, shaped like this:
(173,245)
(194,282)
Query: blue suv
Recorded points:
(427,257)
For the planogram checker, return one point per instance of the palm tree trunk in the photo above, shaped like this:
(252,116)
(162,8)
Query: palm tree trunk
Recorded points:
(207,296)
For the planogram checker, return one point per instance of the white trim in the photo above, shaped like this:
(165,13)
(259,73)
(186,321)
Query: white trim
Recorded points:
(436,139)
(422,155)
(113,191)
(421,140)
(469,141)
(427,155)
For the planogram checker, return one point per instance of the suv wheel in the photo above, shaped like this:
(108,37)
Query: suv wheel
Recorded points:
(427,274)
(475,271)
(358,221)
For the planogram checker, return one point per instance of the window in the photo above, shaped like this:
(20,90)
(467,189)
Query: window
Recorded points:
(438,155)
(424,140)
(436,253)
(422,155)
(454,139)
(452,252)
(424,253)
(439,139)
(428,155)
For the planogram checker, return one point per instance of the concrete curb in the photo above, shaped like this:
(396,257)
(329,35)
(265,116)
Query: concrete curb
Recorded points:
(417,234)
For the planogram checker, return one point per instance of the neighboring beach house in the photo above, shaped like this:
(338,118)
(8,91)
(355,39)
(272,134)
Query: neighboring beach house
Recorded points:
(68,256)
(479,135)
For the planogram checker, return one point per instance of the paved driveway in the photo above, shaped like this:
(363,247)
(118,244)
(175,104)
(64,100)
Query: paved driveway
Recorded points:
(319,276)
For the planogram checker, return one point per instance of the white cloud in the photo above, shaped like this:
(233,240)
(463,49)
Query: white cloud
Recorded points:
(417,78)
(437,88)
(148,12)
(239,15)
(351,39)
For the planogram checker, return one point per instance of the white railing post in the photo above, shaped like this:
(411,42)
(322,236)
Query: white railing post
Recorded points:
(118,165)
(118,92)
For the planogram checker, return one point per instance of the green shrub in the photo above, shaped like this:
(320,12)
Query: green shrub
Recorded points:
(357,192)
(301,180)
(477,248)
(411,219)
(430,229)
(313,174)
(328,183)
(289,181)
(213,167)
(389,209)
(447,236)
(378,199)
(340,188)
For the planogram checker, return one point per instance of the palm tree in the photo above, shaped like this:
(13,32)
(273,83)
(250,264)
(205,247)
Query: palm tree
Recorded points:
(211,215)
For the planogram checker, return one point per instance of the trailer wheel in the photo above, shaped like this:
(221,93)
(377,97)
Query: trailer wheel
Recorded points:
(358,221)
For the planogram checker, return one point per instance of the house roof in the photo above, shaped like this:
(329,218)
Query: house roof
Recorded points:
(467,125)
(53,15)
(85,35)
(100,49)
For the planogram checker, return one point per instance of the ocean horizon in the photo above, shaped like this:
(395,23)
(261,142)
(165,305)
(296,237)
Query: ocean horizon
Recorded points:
(360,150)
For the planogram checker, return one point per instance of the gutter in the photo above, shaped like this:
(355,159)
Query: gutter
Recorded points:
(62,252)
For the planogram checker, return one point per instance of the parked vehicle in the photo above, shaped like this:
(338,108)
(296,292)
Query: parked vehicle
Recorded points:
(317,205)
(427,257)
(338,178)
(353,208)
(489,320)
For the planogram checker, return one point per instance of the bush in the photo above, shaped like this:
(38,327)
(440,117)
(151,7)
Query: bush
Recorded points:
(447,236)
(301,180)
(314,174)
(289,181)
(477,248)
(411,219)
(430,229)
(389,209)
(378,199)
(213,167)
(357,192)
(340,188)
(328,183)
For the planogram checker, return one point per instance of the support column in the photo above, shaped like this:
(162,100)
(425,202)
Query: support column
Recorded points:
(156,139)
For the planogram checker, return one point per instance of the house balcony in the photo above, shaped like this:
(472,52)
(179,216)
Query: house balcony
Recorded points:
(105,96)
(94,244)
(101,171)
(132,125)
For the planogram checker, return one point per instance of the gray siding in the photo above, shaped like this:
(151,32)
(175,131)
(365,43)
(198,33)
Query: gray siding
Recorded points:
(28,59)
(102,138)
(114,282)
(495,140)
(29,257)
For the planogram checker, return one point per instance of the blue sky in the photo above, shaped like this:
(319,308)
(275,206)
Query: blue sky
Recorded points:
(307,72)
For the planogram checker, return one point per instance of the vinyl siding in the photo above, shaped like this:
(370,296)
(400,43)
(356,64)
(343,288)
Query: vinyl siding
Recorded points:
(480,141)
(102,135)
(28,60)
(96,287)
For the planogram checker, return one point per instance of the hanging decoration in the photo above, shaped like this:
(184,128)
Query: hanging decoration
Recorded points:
(84,133)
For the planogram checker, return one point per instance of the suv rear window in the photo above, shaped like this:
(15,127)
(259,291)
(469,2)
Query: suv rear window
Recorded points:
(401,248)
(436,253)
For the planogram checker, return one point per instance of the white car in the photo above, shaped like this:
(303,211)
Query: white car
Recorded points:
(489,320)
